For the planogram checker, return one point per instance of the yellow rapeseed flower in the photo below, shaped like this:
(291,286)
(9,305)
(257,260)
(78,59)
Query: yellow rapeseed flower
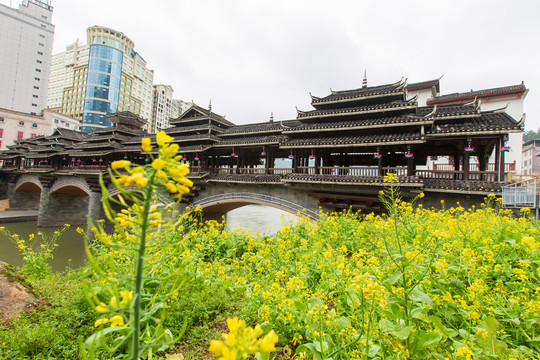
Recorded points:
(268,342)
(120,164)
(146,144)
(102,308)
(158,164)
(117,320)
(162,138)
(100,322)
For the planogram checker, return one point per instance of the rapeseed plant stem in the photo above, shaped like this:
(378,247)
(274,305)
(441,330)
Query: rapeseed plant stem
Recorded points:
(139,271)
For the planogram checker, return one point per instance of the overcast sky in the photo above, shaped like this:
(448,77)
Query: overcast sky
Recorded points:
(256,57)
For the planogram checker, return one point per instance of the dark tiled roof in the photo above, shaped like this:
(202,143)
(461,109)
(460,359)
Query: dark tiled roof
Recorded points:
(244,178)
(371,91)
(204,114)
(497,122)
(97,145)
(348,179)
(205,127)
(254,128)
(251,140)
(127,118)
(69,134)
(424,85)
(389,106)
(372,122)
(89,153)
(458,97)
(357,140)
(453,111)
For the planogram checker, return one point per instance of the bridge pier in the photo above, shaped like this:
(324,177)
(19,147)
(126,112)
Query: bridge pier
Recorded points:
(94,209)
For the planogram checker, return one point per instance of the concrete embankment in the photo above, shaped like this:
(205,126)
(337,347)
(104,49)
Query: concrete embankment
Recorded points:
(8,216)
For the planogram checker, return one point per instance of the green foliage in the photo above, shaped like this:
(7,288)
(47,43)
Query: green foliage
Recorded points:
(36,251)
(418,283)
(531,135)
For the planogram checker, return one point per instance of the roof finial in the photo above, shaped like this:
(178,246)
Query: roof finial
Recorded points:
(210,105)
(272,116)
(364,81)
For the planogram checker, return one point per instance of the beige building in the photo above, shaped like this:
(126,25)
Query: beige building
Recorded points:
(531,157)
(16,125)
(104,76)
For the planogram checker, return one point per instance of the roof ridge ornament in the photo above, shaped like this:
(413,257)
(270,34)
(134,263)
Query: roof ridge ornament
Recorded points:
(432,112)
(272,117)
(402,83)
(284,126)
(414,99)
(210,105)
(472,103)
(521,122)
(299,111)
(364,80)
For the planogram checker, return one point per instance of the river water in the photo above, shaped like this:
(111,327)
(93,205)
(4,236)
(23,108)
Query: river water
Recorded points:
(70,251)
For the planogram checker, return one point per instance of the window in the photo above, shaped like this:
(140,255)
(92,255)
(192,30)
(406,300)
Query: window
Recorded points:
(37,79)
(38,70)
(34,125)
(35,105)
(32,135)
(34,96)
(41,44)
(1,119)
(40,53)
(39,61)
(19,135)
(36,87)
(42,36)
(21,123)
(1,133)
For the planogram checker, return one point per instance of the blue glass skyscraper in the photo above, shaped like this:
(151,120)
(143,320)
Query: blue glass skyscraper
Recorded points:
(102,85)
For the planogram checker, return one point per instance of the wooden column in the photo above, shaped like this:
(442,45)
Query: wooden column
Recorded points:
(501,161)
(466,165)
(317,163)
(295,162)
(457,160)
(482,163)
(410,166)
(498,170)
(267,162)
(380,170)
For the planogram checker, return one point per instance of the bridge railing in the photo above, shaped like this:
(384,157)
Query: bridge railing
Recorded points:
(369,171)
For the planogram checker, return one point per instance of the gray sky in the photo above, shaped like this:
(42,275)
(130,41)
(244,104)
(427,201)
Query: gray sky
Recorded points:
(255,57)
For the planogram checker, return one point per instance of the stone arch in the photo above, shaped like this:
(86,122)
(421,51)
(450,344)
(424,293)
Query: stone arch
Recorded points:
(76,187)
(25,180)
(26,193)
(223,203)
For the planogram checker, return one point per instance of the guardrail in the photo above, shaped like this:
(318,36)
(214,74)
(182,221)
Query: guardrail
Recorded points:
(522,194)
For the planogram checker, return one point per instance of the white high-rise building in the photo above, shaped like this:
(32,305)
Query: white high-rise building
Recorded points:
(26,41)
(162,109)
